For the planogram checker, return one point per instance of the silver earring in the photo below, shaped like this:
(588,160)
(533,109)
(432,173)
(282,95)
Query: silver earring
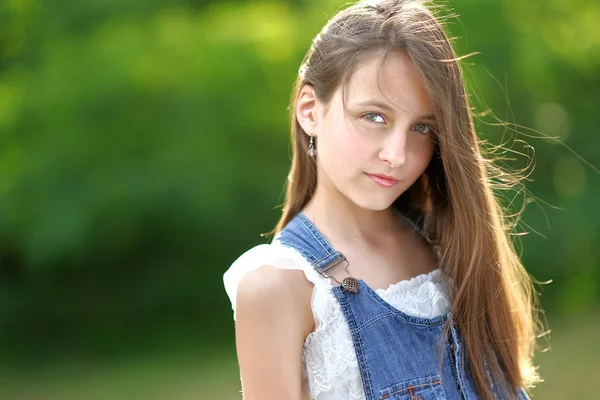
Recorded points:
(311,147)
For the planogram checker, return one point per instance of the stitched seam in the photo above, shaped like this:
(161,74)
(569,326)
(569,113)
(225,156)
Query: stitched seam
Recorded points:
(313,261)
(366,379)
(327,259)
(432,384)
(304,253)
(395,312)
(315,233)
(490,380)
(436,391)
(453,362)
(375,319)
(453,365)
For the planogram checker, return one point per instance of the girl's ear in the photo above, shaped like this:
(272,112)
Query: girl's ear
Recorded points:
(306,109)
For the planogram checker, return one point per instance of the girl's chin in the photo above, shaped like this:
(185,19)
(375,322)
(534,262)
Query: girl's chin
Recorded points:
(374,204)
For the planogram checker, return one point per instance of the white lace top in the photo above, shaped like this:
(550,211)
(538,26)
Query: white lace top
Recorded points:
(329,365)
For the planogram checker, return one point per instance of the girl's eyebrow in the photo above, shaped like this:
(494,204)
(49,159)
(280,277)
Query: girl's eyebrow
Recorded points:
(384,106)
(429,117)
(375,103)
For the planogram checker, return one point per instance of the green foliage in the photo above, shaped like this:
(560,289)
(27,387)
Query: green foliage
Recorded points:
(144,145)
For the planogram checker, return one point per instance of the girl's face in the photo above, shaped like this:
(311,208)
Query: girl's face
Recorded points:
(384,131)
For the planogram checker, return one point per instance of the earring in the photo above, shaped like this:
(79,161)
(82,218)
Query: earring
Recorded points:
(311,147)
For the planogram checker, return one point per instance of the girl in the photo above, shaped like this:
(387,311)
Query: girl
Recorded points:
(390,275)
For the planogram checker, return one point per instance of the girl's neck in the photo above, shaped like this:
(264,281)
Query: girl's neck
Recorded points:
(340,219)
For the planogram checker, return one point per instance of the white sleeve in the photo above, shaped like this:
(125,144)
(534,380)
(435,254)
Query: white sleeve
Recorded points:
(273,254)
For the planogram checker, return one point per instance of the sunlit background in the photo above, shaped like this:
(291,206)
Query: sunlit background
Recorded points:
(144,146)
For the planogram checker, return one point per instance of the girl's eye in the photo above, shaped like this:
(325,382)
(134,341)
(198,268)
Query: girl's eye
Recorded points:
(374,117)
(425,129)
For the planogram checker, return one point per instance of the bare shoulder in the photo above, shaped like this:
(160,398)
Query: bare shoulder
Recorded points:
(272,292)
(273,320)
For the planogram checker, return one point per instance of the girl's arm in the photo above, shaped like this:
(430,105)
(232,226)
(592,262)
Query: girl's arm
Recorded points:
(274,318)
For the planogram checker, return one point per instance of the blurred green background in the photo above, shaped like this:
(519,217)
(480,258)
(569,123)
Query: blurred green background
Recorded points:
(144,146)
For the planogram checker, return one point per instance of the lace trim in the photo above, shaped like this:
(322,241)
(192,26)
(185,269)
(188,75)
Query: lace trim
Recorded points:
(329,361)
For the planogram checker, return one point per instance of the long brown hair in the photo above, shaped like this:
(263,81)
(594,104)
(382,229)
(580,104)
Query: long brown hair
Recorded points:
(494,303)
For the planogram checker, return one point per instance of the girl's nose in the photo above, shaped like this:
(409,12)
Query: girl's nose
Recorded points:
(394,151)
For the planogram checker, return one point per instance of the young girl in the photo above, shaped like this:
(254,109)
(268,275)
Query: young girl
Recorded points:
(390,275)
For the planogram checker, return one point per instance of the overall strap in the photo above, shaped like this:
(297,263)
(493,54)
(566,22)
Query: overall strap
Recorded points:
(301,234)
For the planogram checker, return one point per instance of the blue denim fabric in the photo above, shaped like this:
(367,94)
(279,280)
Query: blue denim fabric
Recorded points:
(397,353)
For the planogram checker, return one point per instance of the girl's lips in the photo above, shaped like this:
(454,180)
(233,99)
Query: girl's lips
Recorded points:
(383,180)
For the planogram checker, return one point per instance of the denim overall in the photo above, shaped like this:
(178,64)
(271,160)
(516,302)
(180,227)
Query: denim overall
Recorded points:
(397,353)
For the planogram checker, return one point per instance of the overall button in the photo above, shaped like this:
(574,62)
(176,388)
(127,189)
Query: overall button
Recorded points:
(350,284)
(416,398)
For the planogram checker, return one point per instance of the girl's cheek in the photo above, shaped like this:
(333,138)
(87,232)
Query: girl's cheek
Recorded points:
(361,139)
(350,139)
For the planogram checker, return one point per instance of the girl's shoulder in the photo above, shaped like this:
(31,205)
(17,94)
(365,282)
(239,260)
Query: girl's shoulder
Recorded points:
(268,254)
